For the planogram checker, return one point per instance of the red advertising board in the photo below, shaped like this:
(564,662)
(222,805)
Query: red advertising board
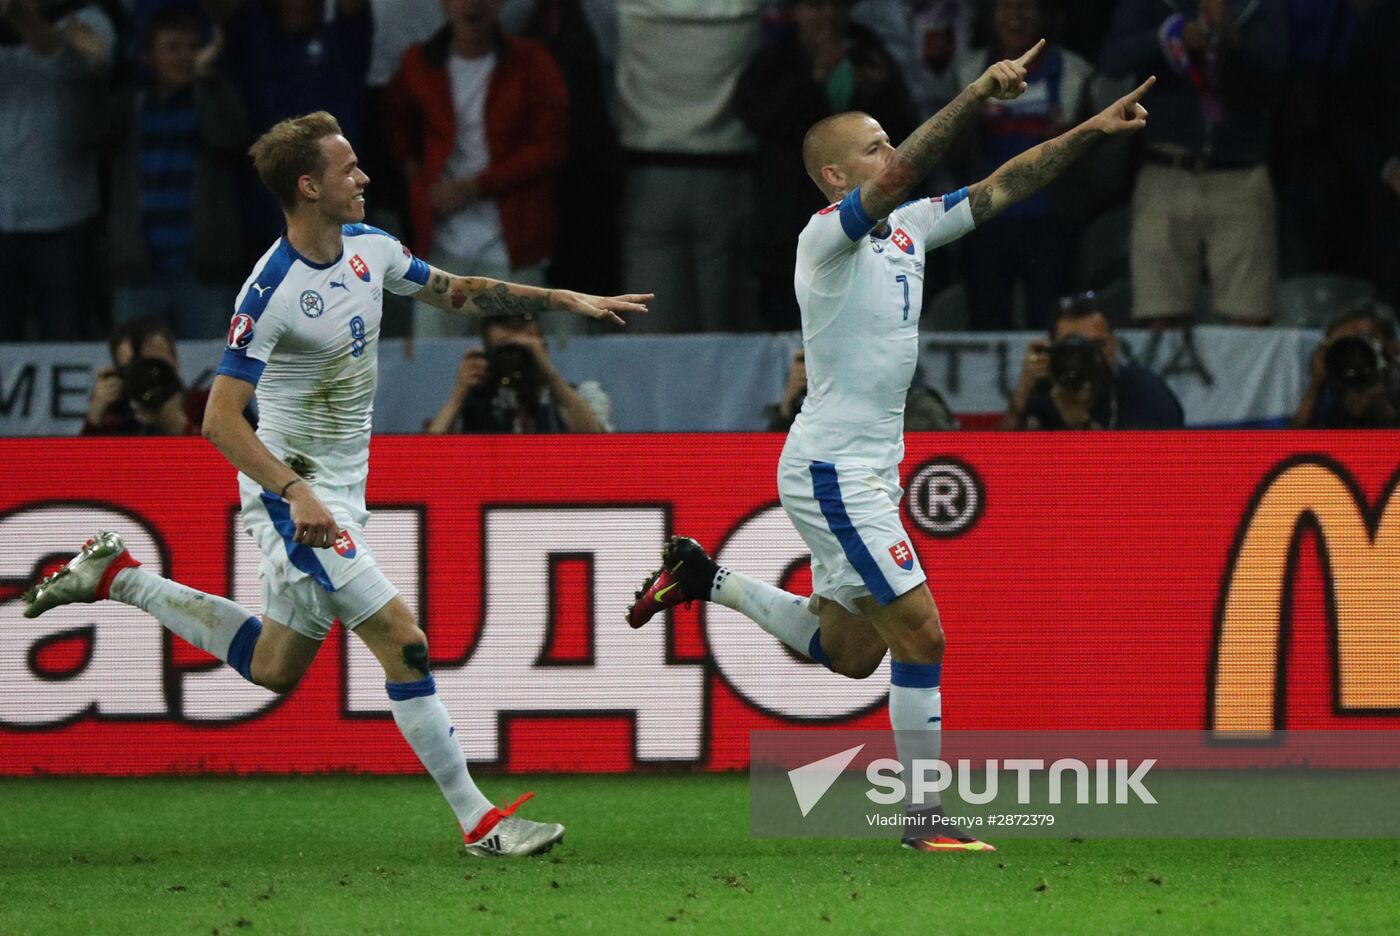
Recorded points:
(1241,582)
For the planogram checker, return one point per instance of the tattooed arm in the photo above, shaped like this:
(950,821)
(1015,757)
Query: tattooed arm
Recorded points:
(1037,167)
(478,295)
(922,149)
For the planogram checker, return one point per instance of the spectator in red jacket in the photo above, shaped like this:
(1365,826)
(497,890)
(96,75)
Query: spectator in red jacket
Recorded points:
(478,120)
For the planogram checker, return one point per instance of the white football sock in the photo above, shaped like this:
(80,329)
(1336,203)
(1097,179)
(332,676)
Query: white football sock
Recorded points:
(210,622)
(780,613)
(423,720)
(916,715)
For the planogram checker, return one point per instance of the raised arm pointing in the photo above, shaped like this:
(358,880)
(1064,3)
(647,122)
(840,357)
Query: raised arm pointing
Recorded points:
(917,155)
(1034,169)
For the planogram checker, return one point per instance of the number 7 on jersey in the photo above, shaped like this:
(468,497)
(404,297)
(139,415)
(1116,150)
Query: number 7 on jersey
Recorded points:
(904,281)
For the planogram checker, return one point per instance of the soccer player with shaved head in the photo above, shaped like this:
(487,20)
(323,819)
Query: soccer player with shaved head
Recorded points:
(305,336)
(859,282)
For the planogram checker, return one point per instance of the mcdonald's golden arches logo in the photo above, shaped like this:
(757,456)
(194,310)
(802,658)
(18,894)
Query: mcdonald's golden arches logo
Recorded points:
(1360,554)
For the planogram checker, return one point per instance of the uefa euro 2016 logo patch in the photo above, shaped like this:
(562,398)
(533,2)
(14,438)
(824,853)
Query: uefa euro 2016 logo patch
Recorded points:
(360,267)
(240,331)
(312,305)
(902,555)
(344,545)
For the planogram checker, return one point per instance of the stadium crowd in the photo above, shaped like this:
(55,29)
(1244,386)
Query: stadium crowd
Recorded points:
(621,145)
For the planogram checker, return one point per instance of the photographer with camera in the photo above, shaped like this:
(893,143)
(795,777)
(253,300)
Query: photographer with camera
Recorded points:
(1076,380)
(510,385)
(111,409)
(1355,375)
(157,397)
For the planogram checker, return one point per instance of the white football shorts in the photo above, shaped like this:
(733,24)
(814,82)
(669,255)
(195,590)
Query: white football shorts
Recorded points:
(848,515)
(307,589)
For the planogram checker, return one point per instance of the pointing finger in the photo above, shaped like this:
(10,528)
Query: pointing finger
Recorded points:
(1136,94)
(1031,53)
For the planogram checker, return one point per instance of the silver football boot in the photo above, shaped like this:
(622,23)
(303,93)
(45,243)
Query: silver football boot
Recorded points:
(501,834)
(514,837)
(77,581)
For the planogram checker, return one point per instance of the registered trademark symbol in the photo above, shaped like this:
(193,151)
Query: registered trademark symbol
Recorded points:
(945,497)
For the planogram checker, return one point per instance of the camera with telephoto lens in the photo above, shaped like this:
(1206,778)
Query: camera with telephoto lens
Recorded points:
(511,366)
(148,383)
(1355,362)
(1076,362)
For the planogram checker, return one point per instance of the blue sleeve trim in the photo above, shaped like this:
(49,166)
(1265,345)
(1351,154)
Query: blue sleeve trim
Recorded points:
(915,675)
(265,283)
(238,364)
(399,691)
(950,201)
(417,272)
(854,221)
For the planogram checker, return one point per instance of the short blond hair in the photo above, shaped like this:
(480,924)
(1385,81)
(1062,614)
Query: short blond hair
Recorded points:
(290,150)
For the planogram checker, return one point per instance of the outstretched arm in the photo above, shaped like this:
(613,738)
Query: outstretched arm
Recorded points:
(920,152)
(1038,166)
(478,295)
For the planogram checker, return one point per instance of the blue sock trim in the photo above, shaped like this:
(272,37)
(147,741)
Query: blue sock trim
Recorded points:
(816,651)
(240,651)
(398,691)
(915,675)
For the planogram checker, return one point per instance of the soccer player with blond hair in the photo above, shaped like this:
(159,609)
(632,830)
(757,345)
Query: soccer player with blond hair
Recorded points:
(305,336)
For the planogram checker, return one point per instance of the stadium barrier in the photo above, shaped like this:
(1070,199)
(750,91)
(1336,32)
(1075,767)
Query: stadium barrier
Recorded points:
(1243,583)
(720,383)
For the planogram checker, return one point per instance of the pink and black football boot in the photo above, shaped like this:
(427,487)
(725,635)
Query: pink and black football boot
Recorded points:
(686,574)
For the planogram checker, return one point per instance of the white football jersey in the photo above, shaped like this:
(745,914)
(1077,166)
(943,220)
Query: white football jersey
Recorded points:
(306,334)
(860,296)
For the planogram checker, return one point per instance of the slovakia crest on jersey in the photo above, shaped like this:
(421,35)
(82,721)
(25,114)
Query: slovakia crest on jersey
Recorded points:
(902,555)
(903,241)
(344,546)
(360,267)
(312,305)
(240,331)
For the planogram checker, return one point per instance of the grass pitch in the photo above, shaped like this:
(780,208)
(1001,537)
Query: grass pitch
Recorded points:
(643,854)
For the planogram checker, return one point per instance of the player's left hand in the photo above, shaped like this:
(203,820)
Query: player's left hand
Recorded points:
(315,525)
(602,307)
(1125,115)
